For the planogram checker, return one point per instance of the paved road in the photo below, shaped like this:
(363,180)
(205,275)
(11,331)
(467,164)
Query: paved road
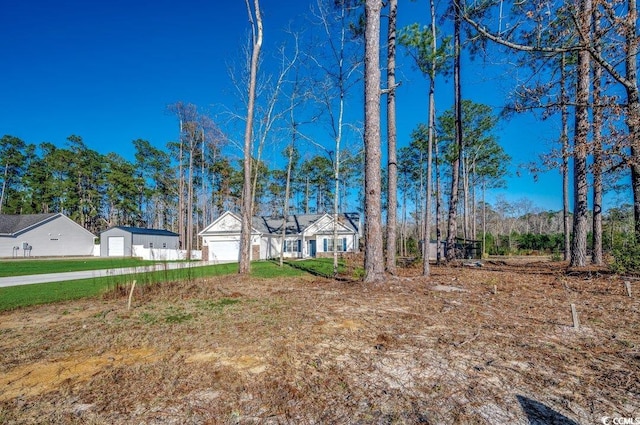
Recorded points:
(90,274)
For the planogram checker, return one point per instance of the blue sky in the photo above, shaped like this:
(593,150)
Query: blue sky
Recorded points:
(106,70)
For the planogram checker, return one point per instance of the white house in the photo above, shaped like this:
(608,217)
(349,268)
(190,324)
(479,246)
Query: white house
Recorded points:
(306,235)
(43,235)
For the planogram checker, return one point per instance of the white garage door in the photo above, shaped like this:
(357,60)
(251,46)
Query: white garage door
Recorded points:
(116,246)
(224,250)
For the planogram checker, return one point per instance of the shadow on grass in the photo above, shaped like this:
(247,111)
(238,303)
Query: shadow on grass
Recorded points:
(321,267)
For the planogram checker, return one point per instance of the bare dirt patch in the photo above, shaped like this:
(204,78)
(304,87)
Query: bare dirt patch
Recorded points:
(499,348)
(41,377)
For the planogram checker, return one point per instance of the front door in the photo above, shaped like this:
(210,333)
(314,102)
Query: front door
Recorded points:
(312,247)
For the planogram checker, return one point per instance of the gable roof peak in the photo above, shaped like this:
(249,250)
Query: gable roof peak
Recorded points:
(10,224)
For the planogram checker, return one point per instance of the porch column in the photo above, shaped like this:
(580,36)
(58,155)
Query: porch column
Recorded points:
(304,247)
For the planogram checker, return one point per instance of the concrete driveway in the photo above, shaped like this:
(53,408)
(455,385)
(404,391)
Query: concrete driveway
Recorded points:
(90,274)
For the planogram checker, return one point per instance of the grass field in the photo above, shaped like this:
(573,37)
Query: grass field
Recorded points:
(318,266)
(35,266)
(469,345)
(43,293)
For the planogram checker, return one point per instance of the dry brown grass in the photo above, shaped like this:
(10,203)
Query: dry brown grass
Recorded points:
(304,351)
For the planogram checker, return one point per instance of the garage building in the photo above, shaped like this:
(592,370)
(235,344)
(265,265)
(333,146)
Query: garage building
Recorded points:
(118,241)
(43,235)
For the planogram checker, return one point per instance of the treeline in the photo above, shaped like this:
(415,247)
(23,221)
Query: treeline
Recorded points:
(99,191)
(521,228)
(161,188)
(541,233)
(188,183)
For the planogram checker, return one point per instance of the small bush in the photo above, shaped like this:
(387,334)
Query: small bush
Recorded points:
(626,259)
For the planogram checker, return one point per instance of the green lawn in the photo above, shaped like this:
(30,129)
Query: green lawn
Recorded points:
(43,293)
(318,266)
(35,266)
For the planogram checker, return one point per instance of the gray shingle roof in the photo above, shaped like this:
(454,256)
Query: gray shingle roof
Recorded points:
(144,231)
(12,224)
(297,223)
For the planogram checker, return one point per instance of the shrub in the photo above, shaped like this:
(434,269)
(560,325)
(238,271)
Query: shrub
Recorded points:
(626,258)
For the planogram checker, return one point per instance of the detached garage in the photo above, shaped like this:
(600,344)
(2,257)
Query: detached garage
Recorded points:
(119,241)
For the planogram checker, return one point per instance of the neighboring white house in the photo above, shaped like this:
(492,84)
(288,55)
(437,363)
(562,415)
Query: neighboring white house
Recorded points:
(119,241)
(306,235)
(43,235)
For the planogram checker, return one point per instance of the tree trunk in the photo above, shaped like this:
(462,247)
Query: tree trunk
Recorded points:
(565,161)
(374,257)
(287,189)
(465,197)
(580,208)
(181,217)
(285,207)
(207,203)
(419,203)
(245,230)
(338,139)
(403,241)
(4,184)
(438,202)
(455,167)
(473,230)
(336,195)
(254,183)
(484,220)
(392,168)
(597,151)
(427,209)
(426,268)
(189,231)
(306,196)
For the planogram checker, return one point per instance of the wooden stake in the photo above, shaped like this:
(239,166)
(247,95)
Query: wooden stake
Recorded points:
(495,289)
(627,285)
(133,285)
(574,315)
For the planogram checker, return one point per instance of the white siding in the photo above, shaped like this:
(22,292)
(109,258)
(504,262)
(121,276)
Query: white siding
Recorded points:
(270,247)
(58,237)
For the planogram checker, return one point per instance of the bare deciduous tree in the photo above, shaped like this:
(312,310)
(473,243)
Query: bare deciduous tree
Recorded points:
(245,230)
